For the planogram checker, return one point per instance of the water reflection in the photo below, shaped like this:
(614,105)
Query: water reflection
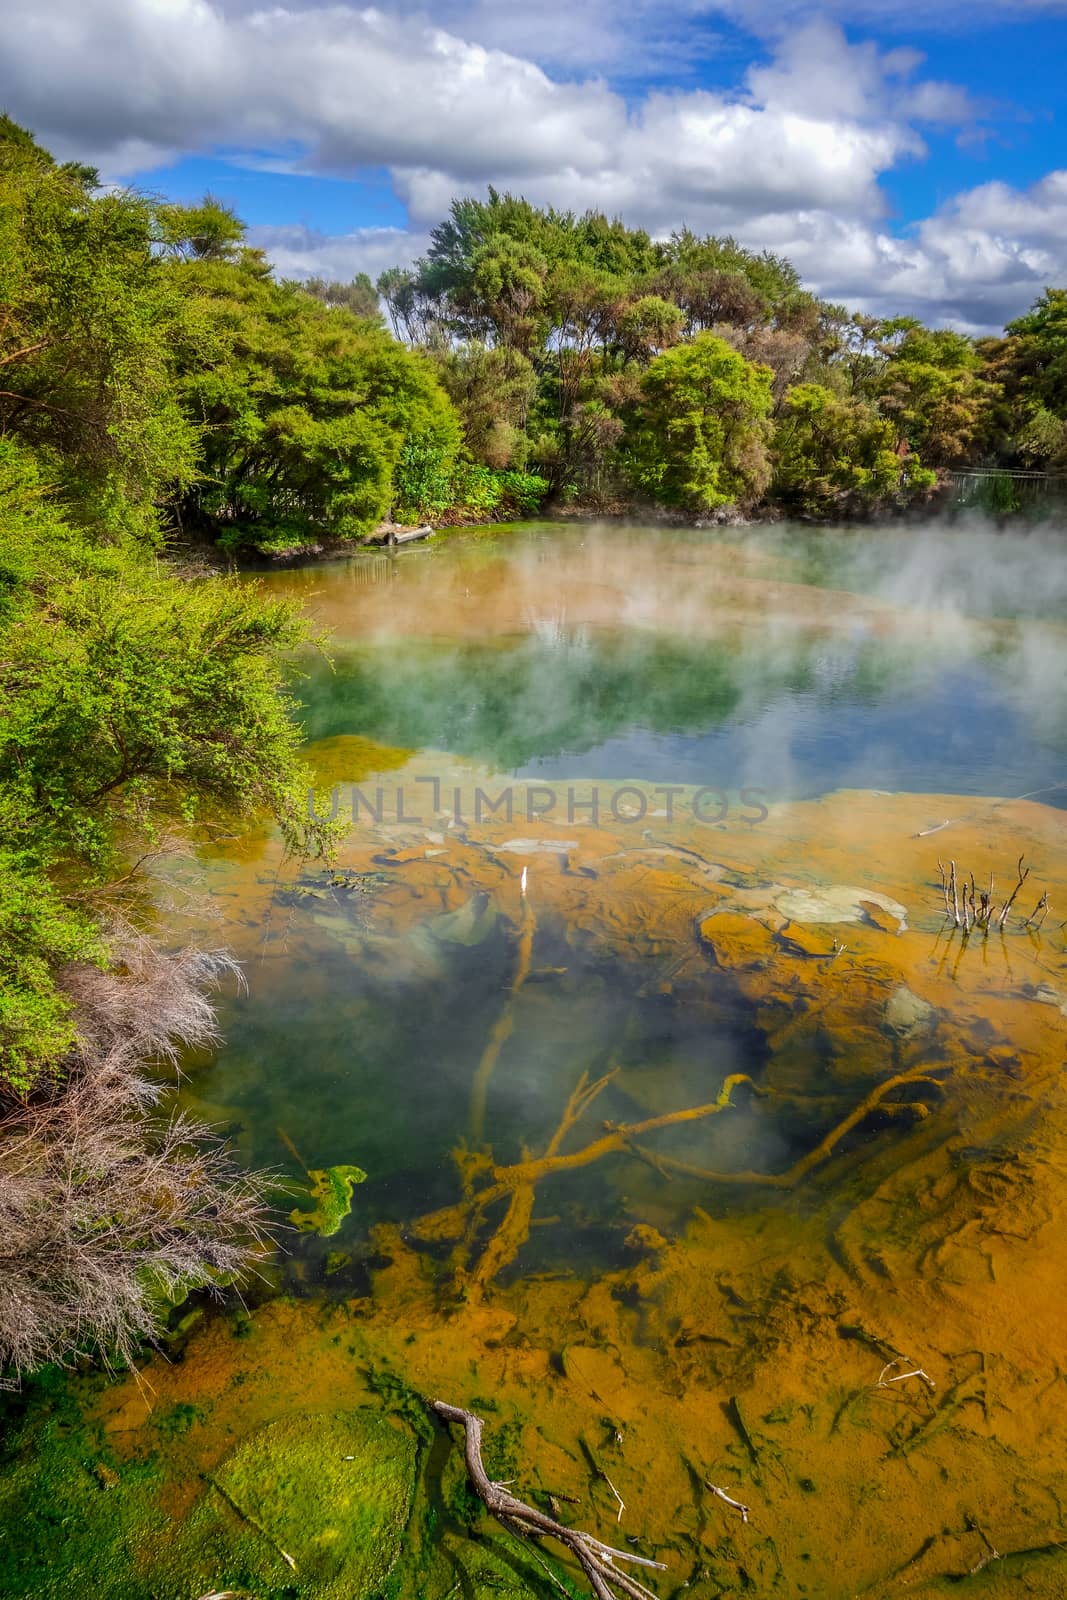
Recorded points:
(643,653)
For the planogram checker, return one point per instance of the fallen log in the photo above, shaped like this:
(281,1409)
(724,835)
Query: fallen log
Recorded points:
(393,533)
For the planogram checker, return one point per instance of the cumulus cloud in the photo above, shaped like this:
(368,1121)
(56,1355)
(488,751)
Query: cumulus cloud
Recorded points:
(976,263)
(792,159)
(348,88)
(301,252)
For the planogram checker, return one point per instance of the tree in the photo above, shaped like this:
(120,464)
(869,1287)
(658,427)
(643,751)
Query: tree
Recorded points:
(209,231)
(932,387)
(699,436)
(310,416)
(1041,352)
(90,316)
(835,455)
(492,390)
(648,325)
(359,296)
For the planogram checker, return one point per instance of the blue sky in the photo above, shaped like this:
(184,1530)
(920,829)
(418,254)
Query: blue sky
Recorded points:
(907,159)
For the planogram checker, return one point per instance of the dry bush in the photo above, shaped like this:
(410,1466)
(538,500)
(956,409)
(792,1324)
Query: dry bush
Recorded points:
(108,1213)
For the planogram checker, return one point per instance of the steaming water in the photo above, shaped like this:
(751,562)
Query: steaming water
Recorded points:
(431,1009)
(796,661)
(782,662)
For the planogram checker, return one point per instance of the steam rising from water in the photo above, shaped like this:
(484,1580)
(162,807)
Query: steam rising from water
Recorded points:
(798,660)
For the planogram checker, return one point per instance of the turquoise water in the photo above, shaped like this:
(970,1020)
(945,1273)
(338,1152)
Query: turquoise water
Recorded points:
(608,654)
(936,661)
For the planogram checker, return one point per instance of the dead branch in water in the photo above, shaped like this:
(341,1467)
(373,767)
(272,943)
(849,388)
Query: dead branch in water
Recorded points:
(728,1500)
(884,1380)
(976,908)
(597,1560)
(518,1182)
(875,1101)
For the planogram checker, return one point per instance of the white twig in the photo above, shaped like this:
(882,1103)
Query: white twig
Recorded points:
(615,1492)
(729,1500)
(915,1372)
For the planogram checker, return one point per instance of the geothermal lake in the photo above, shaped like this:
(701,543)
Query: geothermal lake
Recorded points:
(703,1152)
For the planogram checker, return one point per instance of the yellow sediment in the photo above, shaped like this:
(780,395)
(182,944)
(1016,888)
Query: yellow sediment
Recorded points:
(741,1342)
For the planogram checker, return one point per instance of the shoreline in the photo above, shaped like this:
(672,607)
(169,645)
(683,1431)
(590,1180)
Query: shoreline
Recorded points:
(392,535)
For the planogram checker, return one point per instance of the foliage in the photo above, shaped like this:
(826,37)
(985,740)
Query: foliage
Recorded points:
(133,699)
(698,439)
(833,454)
(1041,351)
(933,391)
(492,389)
(39,935)
(481,490)
(89,321)
(129,697)
(209,231)
(314,420)
(358,295)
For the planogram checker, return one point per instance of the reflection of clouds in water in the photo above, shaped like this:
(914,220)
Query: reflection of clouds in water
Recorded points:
(673,657)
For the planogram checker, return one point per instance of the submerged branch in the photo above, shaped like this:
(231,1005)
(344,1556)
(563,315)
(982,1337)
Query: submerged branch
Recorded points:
(505,1023)
(597,1560)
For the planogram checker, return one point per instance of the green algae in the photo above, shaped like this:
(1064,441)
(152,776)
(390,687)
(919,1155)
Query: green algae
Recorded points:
(73,1516)
(311,1505)
(332,1188)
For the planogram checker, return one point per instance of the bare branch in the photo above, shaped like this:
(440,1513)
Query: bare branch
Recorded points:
(596,1559)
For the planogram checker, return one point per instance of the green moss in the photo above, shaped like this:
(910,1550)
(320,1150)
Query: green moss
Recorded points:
(332,1188)
(72,1515)
(178,1420)
(313,1505)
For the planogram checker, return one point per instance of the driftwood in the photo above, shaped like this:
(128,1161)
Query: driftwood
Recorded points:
(393,533)
(517,1183)
(596,1559)
(875,1101)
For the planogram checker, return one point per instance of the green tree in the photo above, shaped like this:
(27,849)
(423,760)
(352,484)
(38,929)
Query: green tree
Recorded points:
(132,701)
(834,454)
(90,316)
(312,419)
(699,436)
(209,231)
(1041,352)
(492,389)
(932,388)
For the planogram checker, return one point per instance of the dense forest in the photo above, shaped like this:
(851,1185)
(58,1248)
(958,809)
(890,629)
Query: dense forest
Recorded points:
(162,392)
(695,373)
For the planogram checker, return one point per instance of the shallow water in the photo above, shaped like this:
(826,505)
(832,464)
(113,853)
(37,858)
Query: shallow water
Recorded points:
(685,1118)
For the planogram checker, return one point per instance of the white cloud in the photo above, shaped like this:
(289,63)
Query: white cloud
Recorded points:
(976,263)
(358,88)
(815,67)
(300,252)
(791,160)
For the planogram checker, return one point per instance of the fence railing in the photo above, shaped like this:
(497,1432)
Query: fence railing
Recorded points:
(1003,489)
